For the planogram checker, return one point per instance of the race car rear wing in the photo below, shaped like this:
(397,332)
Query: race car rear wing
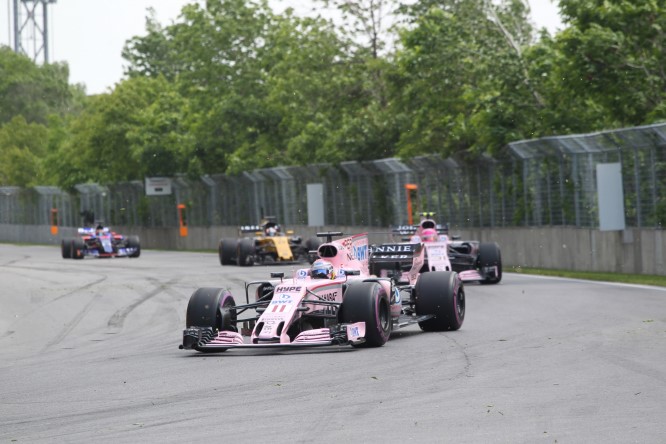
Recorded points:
(394,251)
(250,228)
(404,230)
(407,231)
(388,253)
(391,260)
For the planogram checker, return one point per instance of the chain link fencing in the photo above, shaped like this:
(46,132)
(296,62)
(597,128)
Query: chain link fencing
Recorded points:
(542,182)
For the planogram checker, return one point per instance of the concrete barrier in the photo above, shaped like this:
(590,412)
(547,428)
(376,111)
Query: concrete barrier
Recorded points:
(639,251)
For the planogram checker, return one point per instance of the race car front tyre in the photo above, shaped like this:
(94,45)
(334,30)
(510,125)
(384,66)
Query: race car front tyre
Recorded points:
(490,256)
(77,247)
(245,252)
(368,302)
(133,242)
(66,248)
(227,251)
(440,293)
(211,307)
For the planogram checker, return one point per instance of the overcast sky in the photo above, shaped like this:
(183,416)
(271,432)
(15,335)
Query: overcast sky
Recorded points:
(89,34)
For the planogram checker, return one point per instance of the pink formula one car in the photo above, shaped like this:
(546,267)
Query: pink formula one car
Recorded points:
(333,302)
(428,247)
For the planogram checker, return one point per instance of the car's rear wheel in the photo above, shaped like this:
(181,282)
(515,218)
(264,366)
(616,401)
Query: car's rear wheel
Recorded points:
(245,252)
(368,302)
(440,293)
(311,245)
(133,242)
(490,256)
(77,246)
(227,251)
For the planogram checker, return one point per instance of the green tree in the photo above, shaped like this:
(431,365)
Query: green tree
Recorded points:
(98,147)
(161,141)
(463,82)
(614,52)
(23,145)
(32,91)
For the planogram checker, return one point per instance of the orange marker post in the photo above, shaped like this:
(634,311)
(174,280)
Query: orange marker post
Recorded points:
(410,187)
(182,220)
(54,221)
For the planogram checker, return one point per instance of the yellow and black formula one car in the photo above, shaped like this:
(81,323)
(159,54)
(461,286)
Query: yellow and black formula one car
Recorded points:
(266,243)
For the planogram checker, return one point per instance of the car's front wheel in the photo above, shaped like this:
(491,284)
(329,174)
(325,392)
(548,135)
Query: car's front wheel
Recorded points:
(133,242)
(66,248)
(227,251)
(213,308)
(368,302)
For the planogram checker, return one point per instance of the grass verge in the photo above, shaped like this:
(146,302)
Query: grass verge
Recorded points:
(641,279)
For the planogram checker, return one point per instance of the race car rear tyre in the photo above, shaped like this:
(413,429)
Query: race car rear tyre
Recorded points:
(211,307)
(133,242)
(490,256)
(77,246)
(66,248)
(368,302)
(227,251)
(312,244)
(245,252)
(440,293)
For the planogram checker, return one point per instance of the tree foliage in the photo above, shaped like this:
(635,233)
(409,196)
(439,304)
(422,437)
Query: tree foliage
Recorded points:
(231,85)
(464,83)
(32,91)
(616,56)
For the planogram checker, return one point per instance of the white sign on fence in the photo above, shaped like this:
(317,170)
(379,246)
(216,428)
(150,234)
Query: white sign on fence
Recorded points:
(611,196)
(315,193)
(158,186)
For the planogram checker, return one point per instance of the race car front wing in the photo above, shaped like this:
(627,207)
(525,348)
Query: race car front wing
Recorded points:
(205,339)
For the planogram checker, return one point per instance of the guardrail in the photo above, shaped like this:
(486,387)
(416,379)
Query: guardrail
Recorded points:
(639,251)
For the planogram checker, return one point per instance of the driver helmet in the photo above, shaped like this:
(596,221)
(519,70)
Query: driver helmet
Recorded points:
(322,269)
(271,231)
(429,235)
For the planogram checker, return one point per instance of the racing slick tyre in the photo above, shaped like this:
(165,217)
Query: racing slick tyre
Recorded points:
(214,308)
(66,248)
(227,251)
(133,242)
(490,256)
(312,244)
(77,246)
(440,293)
(368,302)
(245,252)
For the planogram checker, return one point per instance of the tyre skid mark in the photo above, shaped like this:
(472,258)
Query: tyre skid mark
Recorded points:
(466,370)
(62,296)
(14,261)
(83,287)
(71,324)
(117,320)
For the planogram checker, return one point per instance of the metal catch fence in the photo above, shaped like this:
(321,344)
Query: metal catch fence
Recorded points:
(548,181)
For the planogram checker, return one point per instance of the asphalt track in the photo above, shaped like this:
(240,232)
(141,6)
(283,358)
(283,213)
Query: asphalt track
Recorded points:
(89,353)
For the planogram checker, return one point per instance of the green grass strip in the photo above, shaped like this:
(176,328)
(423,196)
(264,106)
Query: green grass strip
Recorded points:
(641,279)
